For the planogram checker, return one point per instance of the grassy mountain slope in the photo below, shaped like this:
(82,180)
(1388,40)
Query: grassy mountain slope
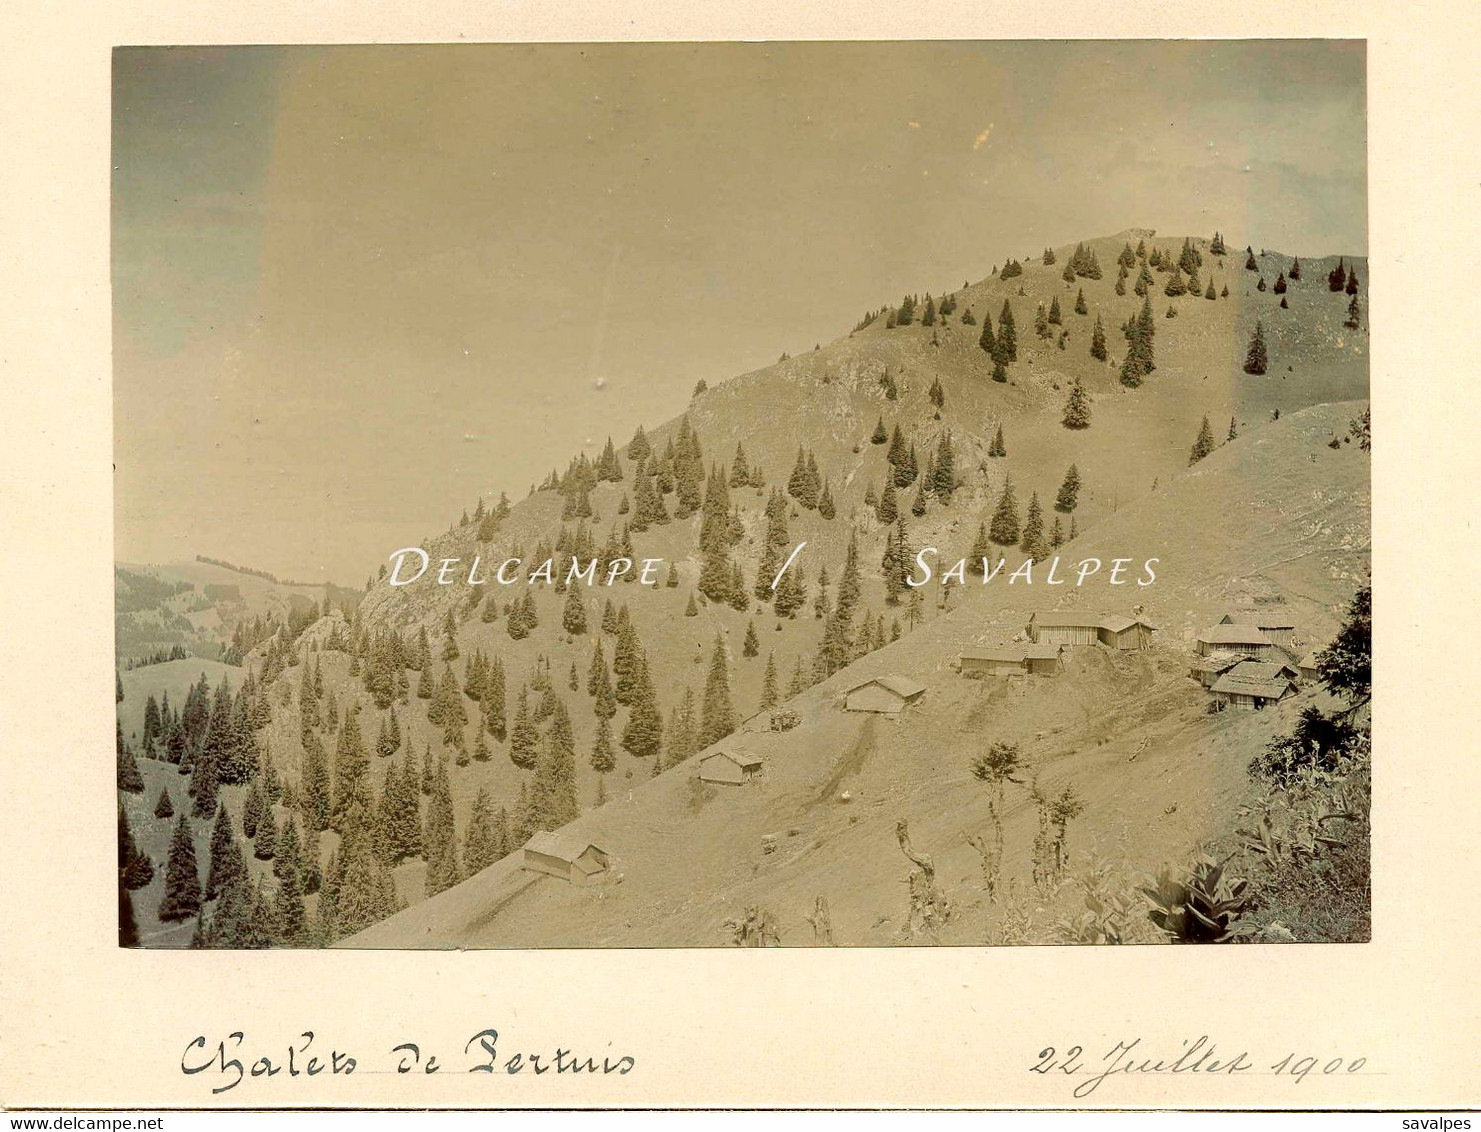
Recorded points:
(1275,513)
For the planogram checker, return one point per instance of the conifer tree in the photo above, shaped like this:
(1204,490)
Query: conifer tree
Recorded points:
(603,757)
(553,801)
(163,807)
(288,906)
(1204,444)
(879,436)
(524,736)
(740,470)
(943,472)
(265,844)
(718,714)
(981,551)
(987,340)
(1069,491)
(439,838)
(226,861)
(128,925)
(752,646)
(135,869)
(681,735)
(350,766)
(998,447)
(1007,335)
(1033,544)
(573,618)
(1139,337)
(1337,277)
(182,898)
(480,845)
(1354,314)
(492,699)
(1056,535)
(889,506)
(1295,270)
(826,507)
(1255,360)
(1233,430)
(1352,281)
(1280,284)
(769,683)
(1098,341)
(1004,529)
(1055,317)
(643,735)
(129,778)
(1077,408)
(1249,261)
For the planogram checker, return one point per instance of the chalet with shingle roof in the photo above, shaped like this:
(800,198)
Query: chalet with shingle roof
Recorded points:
(1253,684)
(567,856)
(1011,660)
(887,695)
(1278,625)
(1242,640)
(1112,629)
(731,766)
(1207,669)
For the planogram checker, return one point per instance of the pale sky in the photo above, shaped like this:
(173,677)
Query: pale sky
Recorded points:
(354,288)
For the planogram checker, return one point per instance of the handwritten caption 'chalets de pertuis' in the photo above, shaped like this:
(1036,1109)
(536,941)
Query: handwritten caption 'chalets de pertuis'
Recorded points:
(1197,1058)
(231,1060)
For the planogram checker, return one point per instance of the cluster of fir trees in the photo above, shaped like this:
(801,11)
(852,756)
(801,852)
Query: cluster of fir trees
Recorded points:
(356,888)
(808,486)
(1082,264)
(848,632)
(581,476)
(743,473)
(720,529)
(489,519)
(790,593)
(1000,345)
(1140,332)
(213,737)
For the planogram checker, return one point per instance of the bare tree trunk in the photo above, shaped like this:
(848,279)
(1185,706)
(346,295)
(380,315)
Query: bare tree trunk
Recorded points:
(822,925)
(919,860)
(929,908)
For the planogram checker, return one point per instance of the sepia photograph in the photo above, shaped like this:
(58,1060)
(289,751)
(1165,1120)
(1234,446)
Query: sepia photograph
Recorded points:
(703,495)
